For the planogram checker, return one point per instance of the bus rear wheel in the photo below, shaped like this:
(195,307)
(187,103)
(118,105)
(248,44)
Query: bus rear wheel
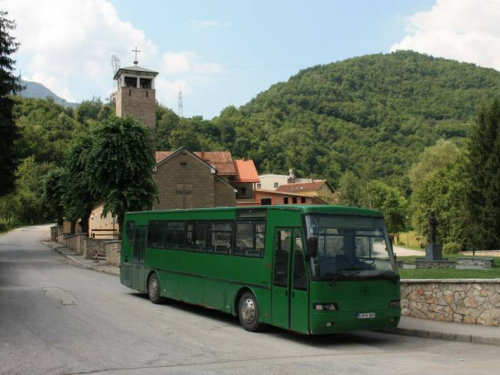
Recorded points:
(248,312)
(154,289)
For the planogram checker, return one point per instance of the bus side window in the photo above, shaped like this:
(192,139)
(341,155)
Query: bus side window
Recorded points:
(156,233)
(175,236)
(250,238)
(220,237)
(196,236)
(282,253)
(299,271)
(130,226)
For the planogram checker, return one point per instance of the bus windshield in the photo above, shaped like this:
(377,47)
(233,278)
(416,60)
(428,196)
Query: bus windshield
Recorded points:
(350,248)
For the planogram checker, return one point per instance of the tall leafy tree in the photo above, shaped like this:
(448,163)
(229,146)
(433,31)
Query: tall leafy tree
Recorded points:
(121,167)
(9,84)
(484,174)
(79,197)
(53,192)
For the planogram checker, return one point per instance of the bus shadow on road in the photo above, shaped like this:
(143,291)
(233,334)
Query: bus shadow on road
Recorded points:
(318,341)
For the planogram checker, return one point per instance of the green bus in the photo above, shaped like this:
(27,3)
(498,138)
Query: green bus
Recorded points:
(309,269)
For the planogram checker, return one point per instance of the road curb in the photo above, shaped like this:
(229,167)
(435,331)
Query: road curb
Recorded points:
(76,262)
(442,335)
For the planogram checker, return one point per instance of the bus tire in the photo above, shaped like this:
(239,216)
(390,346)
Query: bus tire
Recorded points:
(248,312)
(154,289)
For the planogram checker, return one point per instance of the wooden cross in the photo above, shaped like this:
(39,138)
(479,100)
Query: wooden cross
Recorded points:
(136,50)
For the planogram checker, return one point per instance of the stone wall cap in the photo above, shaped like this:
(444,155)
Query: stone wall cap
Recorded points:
(113,241)
(450,281)
(476,258)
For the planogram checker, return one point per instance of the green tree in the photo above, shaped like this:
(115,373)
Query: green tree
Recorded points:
(350,190)
(9,84)
(393,205)
(483,170)
(79,196)
(431,160)
(444,191)
(184,135)
(29,190)
(121,167)
(53,192)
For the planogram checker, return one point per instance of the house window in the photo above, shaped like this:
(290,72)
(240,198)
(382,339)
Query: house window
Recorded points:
(285,200)
(259,186)
(294,200)
(303,200)
(276,185)
(266,201)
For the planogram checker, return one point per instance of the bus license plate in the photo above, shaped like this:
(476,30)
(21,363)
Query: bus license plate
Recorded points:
(370,315)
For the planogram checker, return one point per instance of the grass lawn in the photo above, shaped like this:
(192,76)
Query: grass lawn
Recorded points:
(493,273)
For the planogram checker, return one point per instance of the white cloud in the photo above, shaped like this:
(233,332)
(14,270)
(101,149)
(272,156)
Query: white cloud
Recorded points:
(465,30)
(72,39)
(187,62)
(198,25)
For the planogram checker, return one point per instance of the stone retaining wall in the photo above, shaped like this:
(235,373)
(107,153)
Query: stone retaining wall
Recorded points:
(113,252)
(433,264)
(472,301)
(75,242)
(483,263)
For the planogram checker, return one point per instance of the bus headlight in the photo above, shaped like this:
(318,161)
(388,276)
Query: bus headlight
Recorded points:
(395,303)
(326,307)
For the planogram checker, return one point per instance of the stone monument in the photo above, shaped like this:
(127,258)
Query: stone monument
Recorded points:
(433,251)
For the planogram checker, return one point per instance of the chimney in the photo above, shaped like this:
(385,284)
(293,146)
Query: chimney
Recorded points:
(291,172)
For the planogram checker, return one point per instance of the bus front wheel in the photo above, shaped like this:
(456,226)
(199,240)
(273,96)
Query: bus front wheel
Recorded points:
(154,289)
(248,312)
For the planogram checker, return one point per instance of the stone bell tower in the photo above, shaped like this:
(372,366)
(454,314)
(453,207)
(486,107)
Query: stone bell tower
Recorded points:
(136,94)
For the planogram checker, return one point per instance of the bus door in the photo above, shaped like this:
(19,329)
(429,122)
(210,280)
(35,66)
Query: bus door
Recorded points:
(289,301)
(138,255)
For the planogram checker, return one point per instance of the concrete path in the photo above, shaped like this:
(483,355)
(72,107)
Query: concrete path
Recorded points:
(404,252)
(59,319)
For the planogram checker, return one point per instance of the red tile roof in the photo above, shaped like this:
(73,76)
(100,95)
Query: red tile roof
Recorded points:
(301,187)
(221,160)
(245,171)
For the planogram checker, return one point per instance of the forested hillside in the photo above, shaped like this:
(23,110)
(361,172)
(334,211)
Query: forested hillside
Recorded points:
(373,114)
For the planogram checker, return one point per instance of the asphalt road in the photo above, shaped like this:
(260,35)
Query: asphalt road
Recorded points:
(59,319)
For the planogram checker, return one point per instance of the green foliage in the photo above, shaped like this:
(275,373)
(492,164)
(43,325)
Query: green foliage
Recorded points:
(452,248)
(378,109)
(54,188)
(350,191)
(79,198)
(390,201)
(431,160)
(120,166)
(90,110)
(444,190)
(29,190)
(46,128)
(483,170)
(9,84)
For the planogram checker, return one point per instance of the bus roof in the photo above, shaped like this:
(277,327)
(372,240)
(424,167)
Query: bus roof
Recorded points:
(304,208)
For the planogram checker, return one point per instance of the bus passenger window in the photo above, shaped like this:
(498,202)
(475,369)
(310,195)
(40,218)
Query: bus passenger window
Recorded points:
(196,236)
(282,253)
(299,271)
(129,230)
(156,233)
(175,235)
(220,237)
(250,238)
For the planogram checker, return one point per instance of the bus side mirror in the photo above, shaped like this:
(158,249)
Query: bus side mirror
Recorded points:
(312,247)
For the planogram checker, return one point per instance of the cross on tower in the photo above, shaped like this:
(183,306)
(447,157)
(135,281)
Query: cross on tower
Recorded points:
(136,50)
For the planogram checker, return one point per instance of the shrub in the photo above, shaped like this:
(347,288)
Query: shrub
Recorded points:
(401,243)
(452,248)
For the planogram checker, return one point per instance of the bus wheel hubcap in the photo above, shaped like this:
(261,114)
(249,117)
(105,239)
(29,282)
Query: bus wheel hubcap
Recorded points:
(248,310)
(153,288)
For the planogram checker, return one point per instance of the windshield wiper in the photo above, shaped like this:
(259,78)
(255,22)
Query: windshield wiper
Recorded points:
(332,282)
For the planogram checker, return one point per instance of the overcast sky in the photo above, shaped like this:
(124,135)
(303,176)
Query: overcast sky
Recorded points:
(225,52)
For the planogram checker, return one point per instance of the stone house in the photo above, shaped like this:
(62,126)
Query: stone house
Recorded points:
(188,179)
